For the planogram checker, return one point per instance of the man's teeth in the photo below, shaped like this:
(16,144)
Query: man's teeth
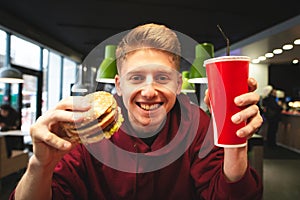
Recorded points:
(149,107)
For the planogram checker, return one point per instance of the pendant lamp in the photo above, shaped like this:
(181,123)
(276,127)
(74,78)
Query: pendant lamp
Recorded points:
(108,67)
(7,73)
(10,75)
(203,51)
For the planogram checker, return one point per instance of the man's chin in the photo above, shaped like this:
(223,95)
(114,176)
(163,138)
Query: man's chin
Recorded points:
(148,126)
(154,126)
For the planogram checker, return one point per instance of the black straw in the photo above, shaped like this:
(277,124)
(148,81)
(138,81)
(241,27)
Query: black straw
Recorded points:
(227,40)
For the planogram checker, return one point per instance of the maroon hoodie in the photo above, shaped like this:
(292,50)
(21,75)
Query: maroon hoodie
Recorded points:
(181,163)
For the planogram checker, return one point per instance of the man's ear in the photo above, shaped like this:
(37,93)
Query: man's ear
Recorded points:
(179,82)
(117,85)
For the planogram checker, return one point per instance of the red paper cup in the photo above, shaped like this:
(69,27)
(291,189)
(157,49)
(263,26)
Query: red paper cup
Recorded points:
(227,78)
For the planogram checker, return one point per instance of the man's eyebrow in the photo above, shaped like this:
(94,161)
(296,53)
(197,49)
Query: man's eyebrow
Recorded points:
(134,72)
(165,71)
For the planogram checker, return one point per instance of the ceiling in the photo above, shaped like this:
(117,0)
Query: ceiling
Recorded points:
(76,27)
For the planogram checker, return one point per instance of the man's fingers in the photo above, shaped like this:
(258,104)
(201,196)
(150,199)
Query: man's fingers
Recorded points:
(56,142)
(246,99)
(252,84)
(253,118)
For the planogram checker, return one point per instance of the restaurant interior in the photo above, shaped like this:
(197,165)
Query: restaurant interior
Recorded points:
(47,46)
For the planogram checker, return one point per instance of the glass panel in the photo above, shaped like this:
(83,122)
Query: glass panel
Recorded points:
(54,80)
(29,101)
(2,47)
(25,53)
(14,96)
(2,93)
(69,75)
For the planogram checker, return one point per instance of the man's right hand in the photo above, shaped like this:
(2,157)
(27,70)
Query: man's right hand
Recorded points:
(48,138)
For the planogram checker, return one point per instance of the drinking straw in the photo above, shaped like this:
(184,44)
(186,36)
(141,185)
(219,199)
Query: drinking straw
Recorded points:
(227,40)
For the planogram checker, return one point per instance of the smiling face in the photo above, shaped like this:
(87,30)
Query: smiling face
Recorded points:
(148,82)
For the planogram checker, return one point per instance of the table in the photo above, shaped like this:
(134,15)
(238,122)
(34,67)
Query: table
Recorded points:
(14,133)
(20,133)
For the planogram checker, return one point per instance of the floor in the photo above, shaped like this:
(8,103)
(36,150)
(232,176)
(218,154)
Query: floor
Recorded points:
(281,169)
(281,176)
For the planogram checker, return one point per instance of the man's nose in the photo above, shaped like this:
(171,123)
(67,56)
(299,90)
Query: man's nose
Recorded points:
(149,91)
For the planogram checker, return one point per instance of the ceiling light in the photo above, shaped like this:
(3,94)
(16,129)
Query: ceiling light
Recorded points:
(297,42)
(255,61)
(277,51)
(287,47)
(269,55)
(261,58)
(295,61)
(79,89)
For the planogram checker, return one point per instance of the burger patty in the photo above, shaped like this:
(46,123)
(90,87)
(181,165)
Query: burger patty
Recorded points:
(96,125)
(100,121)
(101,104)
(95,132)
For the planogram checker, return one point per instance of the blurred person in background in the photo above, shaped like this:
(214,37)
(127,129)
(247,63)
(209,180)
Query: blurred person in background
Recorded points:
(9,118)
(272,113)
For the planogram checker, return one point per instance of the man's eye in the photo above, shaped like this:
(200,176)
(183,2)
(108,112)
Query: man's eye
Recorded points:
(162,79)
(136,78)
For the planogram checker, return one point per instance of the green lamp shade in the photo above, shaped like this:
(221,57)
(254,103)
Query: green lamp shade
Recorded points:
(10,75)
(110,51)
(108,68)
(203,52)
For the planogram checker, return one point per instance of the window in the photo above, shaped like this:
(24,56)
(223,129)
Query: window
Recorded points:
(59,73)
(25,53)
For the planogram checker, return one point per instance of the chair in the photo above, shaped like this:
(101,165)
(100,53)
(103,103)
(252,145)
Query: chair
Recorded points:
(17,160)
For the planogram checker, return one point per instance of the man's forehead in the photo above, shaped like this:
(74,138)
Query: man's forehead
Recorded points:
(147,57)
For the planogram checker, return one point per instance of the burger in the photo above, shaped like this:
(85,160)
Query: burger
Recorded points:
(102,120)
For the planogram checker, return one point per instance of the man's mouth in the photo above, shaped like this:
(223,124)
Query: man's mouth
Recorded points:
(149,107)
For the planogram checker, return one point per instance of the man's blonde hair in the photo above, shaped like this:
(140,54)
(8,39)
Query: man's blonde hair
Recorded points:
(149,36)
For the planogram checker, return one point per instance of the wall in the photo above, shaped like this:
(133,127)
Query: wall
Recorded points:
(261,74)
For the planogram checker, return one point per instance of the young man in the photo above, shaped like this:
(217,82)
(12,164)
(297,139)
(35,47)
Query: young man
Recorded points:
(163,149)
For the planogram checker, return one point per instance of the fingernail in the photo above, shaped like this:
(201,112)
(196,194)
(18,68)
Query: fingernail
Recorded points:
(67,145)
(240,133)
(236,118)
(238,100)
(77,116)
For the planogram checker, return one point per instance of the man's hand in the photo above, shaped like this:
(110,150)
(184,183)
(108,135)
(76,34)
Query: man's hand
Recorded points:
(250,114)
(49,144)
